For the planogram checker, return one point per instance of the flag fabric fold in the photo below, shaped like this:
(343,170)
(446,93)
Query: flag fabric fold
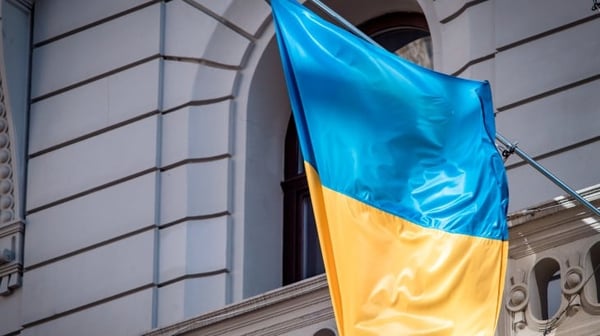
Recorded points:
(408,189)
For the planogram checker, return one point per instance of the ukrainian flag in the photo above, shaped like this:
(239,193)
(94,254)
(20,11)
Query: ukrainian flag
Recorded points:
(408,189)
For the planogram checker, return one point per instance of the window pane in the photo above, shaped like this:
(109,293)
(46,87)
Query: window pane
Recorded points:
(299,162)
(595,264)
(418,51)
(554,295)
(403,33)
(547,298)
(312,261)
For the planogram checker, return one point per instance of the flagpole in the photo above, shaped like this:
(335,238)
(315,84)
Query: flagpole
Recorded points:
(510,147)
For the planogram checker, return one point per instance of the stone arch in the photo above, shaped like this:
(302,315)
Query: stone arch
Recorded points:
(261,115)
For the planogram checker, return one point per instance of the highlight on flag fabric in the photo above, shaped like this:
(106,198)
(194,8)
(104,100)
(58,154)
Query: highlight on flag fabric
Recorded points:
(408,189)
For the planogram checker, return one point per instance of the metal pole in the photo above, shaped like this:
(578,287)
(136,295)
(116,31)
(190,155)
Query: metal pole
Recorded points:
(513,148)
(509,145)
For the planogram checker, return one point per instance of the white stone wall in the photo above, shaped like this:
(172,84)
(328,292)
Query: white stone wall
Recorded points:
(541,60)
(129,186)
(156,140)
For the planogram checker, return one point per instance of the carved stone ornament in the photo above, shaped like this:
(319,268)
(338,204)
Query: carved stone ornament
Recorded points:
(11,229)
(516,303)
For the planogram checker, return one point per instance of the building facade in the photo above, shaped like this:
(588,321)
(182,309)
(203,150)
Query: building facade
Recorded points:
(143,150)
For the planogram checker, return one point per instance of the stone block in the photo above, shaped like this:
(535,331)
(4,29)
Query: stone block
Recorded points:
(575,167)
(250,15)
(227,47)
(94,106)
(467,37)
(10,313)
(92,163)
(547,63)
(192,33)
(217,6)
(444,9)
(195,189)
(186,82)
(91,219)
(88,277)
(517,20)
(483,71)
(125,316)
(196,132)
(554,122)
(92,52)
(194,247)
(50,19)
(191,297)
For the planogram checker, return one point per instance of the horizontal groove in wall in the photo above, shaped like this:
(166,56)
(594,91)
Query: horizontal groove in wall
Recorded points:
(199,103)
(95,78)
(555,152)
(549,93)
(93,134)
(134,64)
(88,306)
(202,61)
(219,18)
(548,33)
(88,248)
(195,218)
(92,190)
(193,276)
(263,26)
(195,160)
(473,62)
(95,23)
(18,332)
(461,10)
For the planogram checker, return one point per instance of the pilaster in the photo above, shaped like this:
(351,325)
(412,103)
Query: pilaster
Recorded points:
(12,100)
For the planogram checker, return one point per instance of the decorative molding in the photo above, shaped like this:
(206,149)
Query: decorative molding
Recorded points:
(11,226)
(7,200)
(11,259)
(289,325)
(551,224)
(541,232)
(266,314)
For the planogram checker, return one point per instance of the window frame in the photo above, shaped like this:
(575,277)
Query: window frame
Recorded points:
(295,185)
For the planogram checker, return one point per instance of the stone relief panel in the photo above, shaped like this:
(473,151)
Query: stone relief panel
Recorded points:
(556,292)
(14,55)
(11,230)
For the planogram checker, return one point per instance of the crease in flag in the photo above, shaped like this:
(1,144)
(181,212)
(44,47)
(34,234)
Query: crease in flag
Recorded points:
(408,190)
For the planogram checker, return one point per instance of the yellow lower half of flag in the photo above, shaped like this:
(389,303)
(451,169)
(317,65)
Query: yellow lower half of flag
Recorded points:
(388,276)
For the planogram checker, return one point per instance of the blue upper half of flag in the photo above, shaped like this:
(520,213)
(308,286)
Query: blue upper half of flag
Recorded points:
(407,140)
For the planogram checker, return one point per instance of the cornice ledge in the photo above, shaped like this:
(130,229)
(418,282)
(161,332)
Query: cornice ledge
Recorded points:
(263,301)
(296,323)
(580,326)
(11,258)
(548,208)
(550,224)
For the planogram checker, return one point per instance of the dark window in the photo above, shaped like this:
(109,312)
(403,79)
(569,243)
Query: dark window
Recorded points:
(595,264)
(546,302)
(405,34)
(301,253)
